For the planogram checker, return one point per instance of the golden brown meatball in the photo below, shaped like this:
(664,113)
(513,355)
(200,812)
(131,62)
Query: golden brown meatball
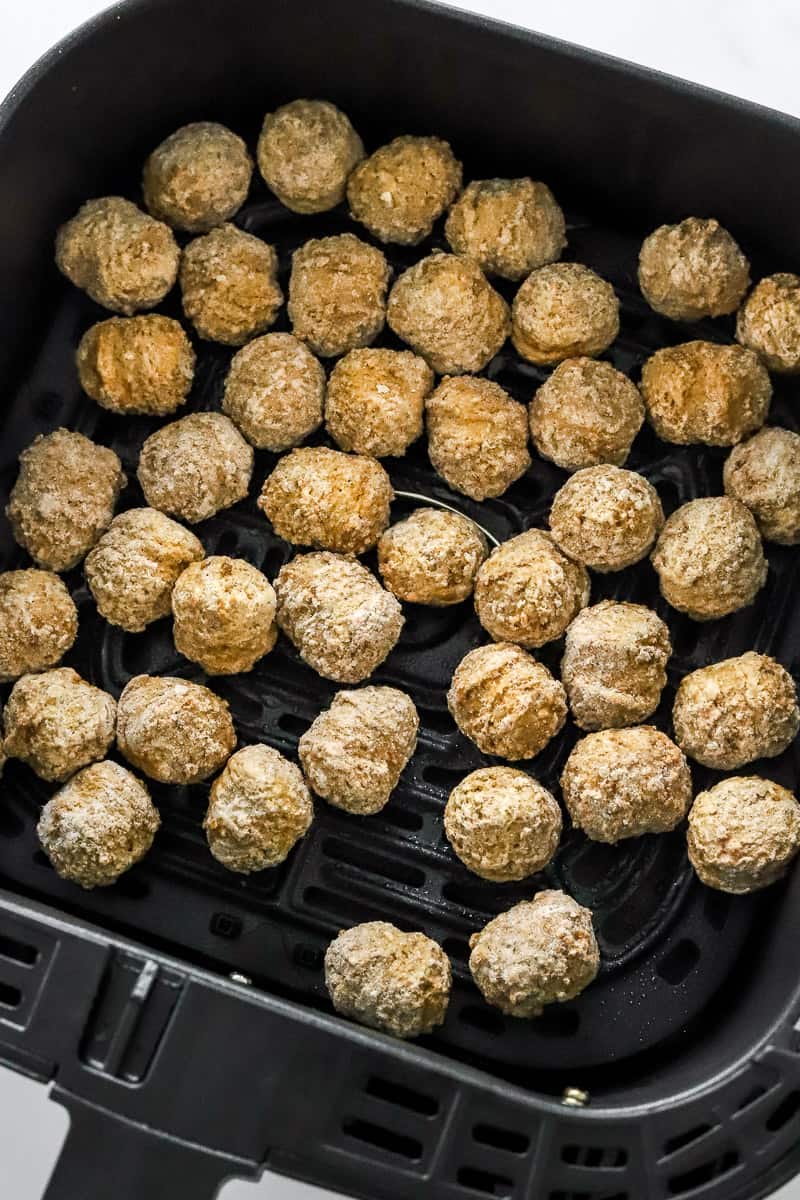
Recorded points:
(173,730)
(337,294)
(446,310)
(64,497)
(586,413)
(198,177)
(38,622)
(137,364)
(563,310)
(305,153)
(508,226)
(56,722)
(606,518)
(432,557)
(743,834)
(224,612)
(477,436)
(355,751)
(404,187)
(229,285)
(375,401)
(764,474)
(769,322)
(389,980)
(195,467)
(274,391)
(692,270)
(119,256)
(709,558)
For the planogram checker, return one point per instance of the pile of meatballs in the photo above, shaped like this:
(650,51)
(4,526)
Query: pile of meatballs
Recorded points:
(624,778)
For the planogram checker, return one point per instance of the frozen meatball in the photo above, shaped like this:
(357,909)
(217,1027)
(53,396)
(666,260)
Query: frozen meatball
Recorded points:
(274,391)
(563,310)
(502,824)
(306,151)
(764,474)
(173,730)
(446,310)
(38,622)
(342,622)
(64,497)
(614,664)
(769,323)
(224,612)
(56,722)
(195,467)
(119,256)
(709,558)
(259,808)
(622,783)
(229,285)
(432,557)
(137,364)
(401,189)
(541,951)
(528,591)
(198,177)
(506,702)
(692,270)
(393,981)
(508,226)
(337,294)
(585,414)
(606,518)
(705,392)
(736,711)
(477,436)
(376,400)
(355,751)
(743,833)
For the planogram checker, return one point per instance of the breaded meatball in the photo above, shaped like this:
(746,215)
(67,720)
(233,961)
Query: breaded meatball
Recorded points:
(229,285)
(224,611)
(404,187)
(137,364)
(506,702)
(508,226)
(736,711)
(98,825)
(764,474)
(195,467)
(355,751)
(274,391)
(528,591)
(305,153)
(56,722)
(541,951)
(743,834)
(769,322)
(122,258)
(337,294)
(709,558)
(337,615)
(586,413)
(64,497)
(259,808)
(389,980)
(198,177)
(446,310)
(614,664)
(621,783)
(502,824)
(562,310)
(173,730)
(38,622)
(606,518)
(376,399)
(692,270)
(477,436)
(432,557)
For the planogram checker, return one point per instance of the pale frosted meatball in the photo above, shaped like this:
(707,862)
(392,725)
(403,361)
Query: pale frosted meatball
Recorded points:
(586,413)
(709,558)
(122,258)
(337,294)
(305,153)
(195,467)
(64,497)
(342,622)
(98,825)
(506,702)
(198,177)
(404,187)
(764,474)
(229,285)
(502,824)
(446,310)
(258,810)
(743,834)
(736,711)
(389,980)
(692,270)
(622,783)
(56,722)
(540,952)
(769,322)
(606,518)
(477,436)
(563,310)
(376,400)
(38,622)
(508,226)
(136,364)
(432,557)
(224,615)
(355,751)
(172,730)
(274,391)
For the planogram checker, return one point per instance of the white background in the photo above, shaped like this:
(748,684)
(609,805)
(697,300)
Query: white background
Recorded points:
(748,47)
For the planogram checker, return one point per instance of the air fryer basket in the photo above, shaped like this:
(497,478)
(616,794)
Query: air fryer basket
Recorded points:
(187,1027)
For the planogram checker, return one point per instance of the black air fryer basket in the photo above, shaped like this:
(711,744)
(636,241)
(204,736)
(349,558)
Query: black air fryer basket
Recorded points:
(181,1014)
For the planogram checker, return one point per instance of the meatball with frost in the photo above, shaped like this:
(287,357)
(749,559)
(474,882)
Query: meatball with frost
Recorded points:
(229,285)
(585,414)
(173,730)
(57,723)
(274,392)
(306,152)
(508,226)
(743,834)
(763,473)
(139,364)
(563,310)
(195,467)
(198,177)
(606,518)
(477,436)
(376,400)
(432,557)
(692,270)
(337,294)
(224,615)
(404,187)
(38,622)
(769,323)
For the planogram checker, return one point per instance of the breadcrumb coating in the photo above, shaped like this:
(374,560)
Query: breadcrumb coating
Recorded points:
(57,723)
(586,413)
(173,730)
(306,152)
(769,322)
(563,310)
(404,187)
(198,177)
(337,294)
(477,436)
(38,622)
(432,557)
(743,834)
(606,518)
(274,392)
(139,364)
(376,400)
(195,467)
(224,615)
(229,285)
(763,473)
(692,270)
(508,226)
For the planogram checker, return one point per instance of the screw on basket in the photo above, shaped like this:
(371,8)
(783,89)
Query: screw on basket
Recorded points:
(448,508)
(237,977)
(575,1097)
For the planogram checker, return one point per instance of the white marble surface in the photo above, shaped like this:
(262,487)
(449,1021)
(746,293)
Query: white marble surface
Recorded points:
(748,47)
